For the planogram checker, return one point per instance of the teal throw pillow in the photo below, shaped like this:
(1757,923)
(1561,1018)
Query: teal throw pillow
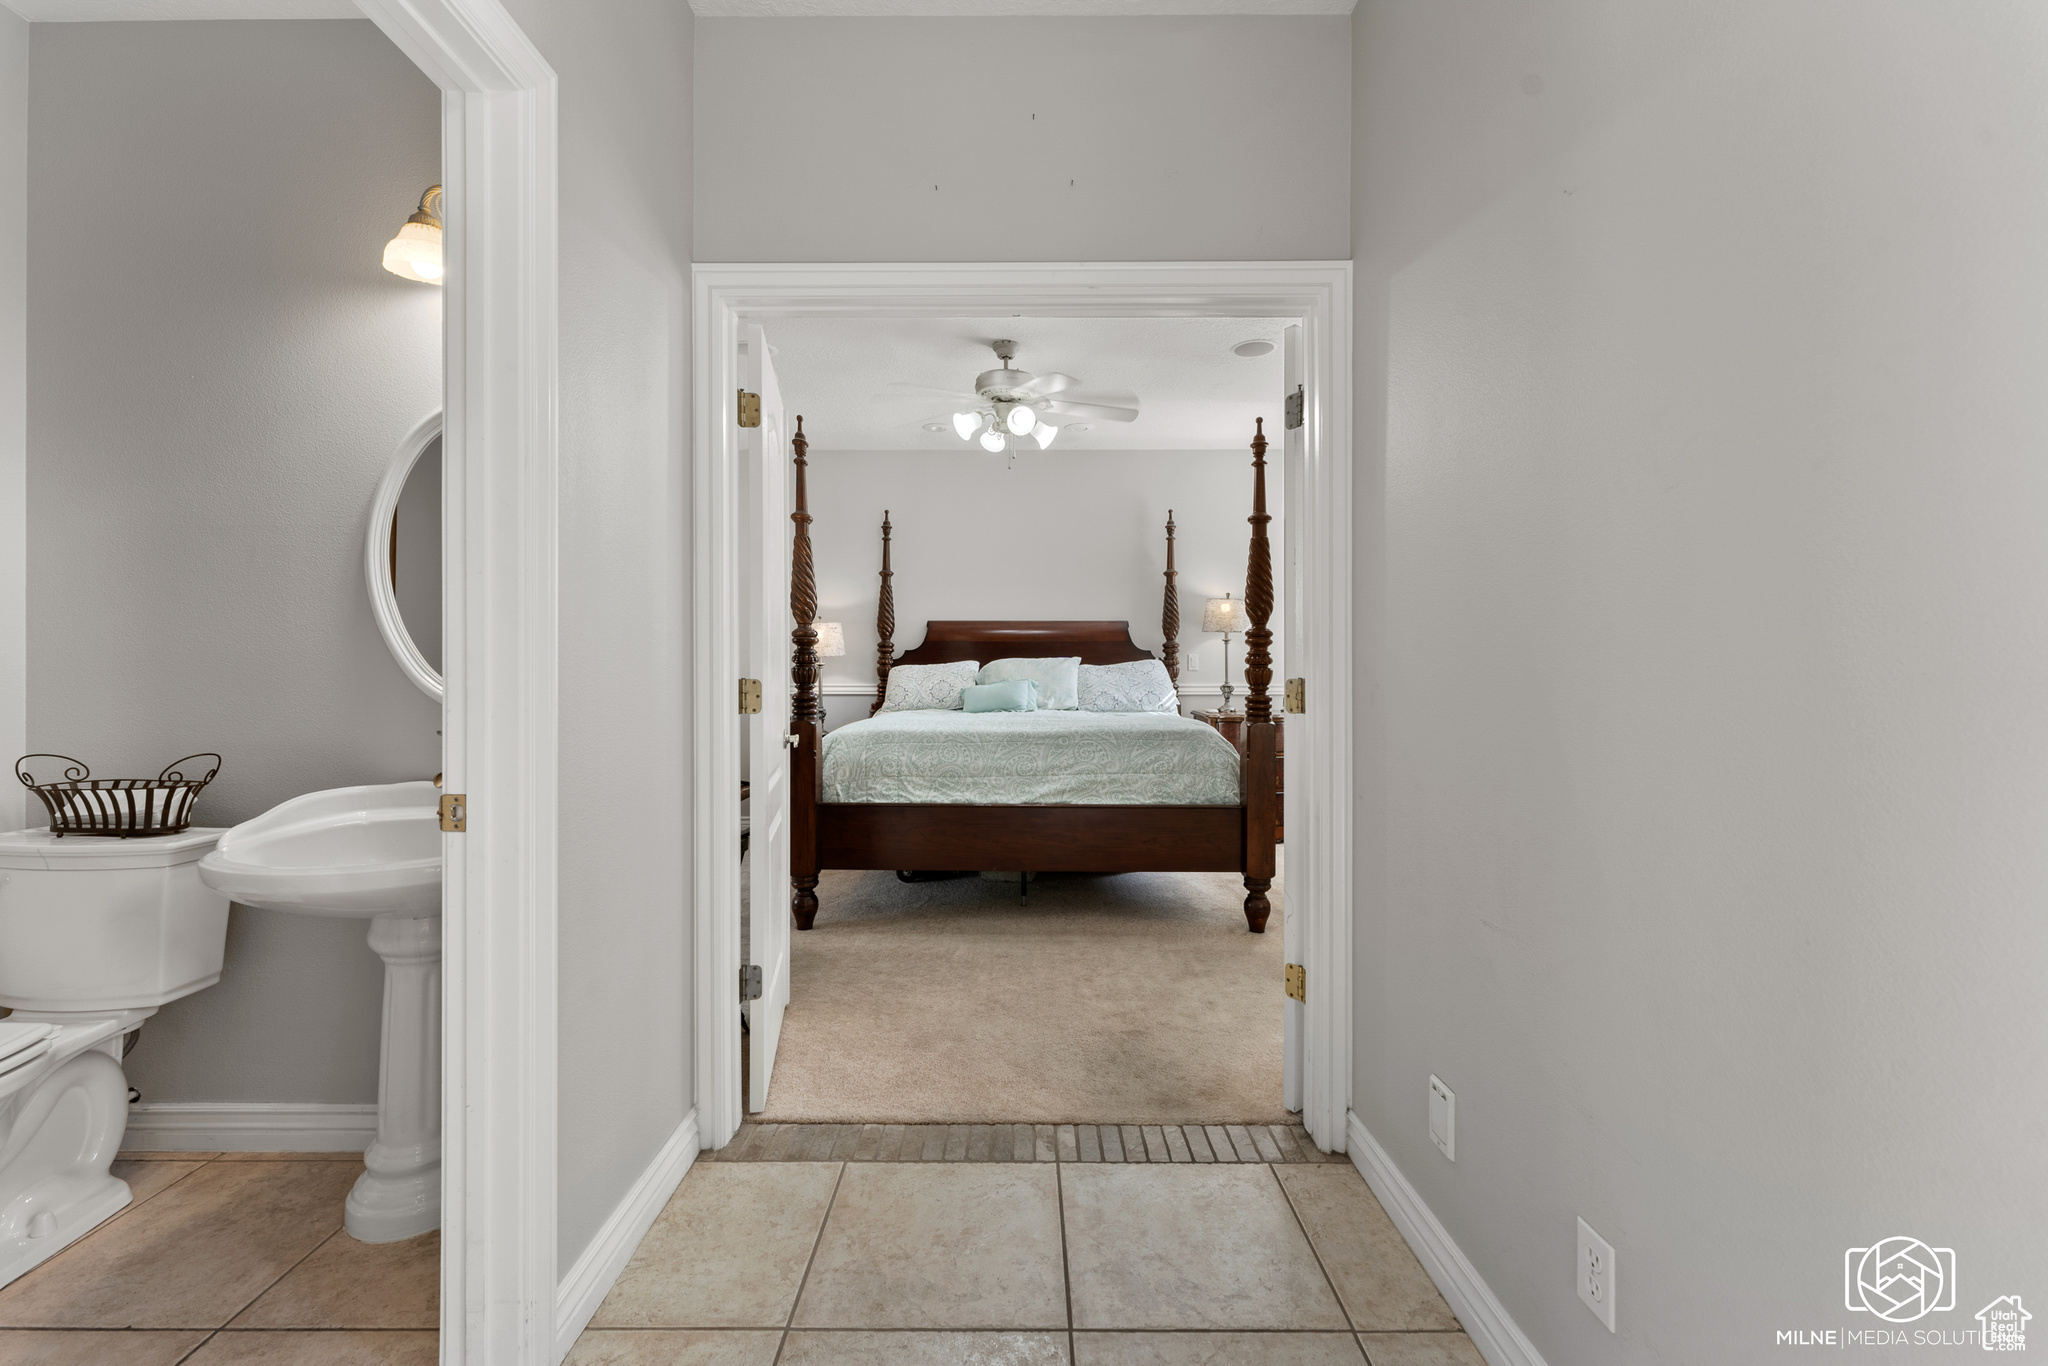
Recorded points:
(1018,694)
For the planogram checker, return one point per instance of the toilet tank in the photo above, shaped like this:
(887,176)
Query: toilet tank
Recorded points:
(94,923)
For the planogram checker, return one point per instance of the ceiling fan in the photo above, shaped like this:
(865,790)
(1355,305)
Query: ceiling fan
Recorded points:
(1008,402)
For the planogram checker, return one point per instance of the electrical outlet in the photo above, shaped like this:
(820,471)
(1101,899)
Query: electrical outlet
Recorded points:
(1596,1274)
(1443,1118)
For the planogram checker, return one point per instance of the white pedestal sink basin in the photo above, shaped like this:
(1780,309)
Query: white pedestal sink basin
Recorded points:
(371,853)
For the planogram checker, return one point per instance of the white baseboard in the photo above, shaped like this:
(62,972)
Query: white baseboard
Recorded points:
(584,1288)
(249,1127)
(1486,1319)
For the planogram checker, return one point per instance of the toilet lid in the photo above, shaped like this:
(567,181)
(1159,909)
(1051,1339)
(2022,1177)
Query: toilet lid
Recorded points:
(18,1039)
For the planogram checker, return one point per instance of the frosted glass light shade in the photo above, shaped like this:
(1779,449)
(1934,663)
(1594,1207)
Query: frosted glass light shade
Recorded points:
(1045,432)
(991,440)
(1223,615)
(831,638)
(965,424)
(1021,419)
(415,254)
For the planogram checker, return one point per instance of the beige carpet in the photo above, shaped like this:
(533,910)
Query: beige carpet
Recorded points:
(1134,998)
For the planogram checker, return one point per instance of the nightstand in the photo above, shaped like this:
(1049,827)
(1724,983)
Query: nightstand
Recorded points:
(1230,725)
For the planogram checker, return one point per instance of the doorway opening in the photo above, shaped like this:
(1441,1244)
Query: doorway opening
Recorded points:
(1014,940)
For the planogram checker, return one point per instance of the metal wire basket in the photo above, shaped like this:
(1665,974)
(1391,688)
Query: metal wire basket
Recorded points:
(125,808)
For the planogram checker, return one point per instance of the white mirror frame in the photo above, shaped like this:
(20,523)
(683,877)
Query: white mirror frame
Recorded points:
(377,558)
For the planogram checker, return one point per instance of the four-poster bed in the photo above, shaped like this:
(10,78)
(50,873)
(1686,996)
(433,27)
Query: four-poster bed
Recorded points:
(1119,836)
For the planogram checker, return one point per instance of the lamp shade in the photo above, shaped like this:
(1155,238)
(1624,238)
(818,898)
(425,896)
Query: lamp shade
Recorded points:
(415,254)
(831,638)
(1223,615)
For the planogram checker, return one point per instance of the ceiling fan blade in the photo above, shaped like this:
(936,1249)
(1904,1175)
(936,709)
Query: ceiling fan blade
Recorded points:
(1101,412)
(1047,384)
(898,390)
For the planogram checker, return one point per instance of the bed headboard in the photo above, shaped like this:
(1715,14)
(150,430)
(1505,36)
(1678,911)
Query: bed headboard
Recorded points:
(1096,642)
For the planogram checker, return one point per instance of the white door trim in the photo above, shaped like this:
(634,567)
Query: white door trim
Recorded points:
(1319,750)
(498,157)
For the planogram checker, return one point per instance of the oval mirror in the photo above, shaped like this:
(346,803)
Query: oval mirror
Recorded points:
(403,556)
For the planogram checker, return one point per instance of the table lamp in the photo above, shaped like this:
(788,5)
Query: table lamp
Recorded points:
(1223,616)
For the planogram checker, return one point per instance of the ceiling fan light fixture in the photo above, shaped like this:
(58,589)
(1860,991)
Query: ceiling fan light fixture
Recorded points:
(1045,432)
(992,440)
(1020,420)
(966,424)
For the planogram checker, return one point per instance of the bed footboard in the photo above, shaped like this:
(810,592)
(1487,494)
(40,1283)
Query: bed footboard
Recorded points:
(1037,839)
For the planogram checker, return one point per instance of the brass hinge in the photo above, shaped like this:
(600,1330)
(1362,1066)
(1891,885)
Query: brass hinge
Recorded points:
(1297,695)
(750,981)
(1297,983)
(1296,401)
(750,409)
(454,812)
(750,696)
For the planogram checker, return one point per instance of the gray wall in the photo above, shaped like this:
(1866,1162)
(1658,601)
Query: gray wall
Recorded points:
(1702,348)
(13,408)
(1018,554)
(626,1078)
(219,369)
(898,140)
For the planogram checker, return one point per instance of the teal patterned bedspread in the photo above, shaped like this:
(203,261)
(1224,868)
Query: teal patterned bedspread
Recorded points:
(1031,758)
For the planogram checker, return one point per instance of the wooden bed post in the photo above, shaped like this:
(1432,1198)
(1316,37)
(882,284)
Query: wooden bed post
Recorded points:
(885,624)
(1169,614)
(1260,764)
(806,711)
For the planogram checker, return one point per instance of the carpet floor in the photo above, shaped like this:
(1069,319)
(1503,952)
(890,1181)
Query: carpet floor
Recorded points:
(1128,998)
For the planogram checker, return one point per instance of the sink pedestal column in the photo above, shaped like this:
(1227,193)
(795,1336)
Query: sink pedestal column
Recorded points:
(400,1195)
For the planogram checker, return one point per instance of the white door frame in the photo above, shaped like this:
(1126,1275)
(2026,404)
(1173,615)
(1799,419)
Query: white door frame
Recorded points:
(1319,750)
(498,159)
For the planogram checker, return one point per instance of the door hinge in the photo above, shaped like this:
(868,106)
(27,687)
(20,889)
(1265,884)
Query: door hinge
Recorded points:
(750,696)
(750,409)
(750,981)
(1296,401)
(1297,983)
(1297,695)
(454,812)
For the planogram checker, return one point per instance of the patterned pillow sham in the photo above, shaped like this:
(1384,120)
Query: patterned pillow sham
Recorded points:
(928,687)
(1058,686)
(1141,685)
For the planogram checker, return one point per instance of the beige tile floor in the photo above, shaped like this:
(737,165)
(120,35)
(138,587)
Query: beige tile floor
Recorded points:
(226,1259)
(851,1263)
(223,1259)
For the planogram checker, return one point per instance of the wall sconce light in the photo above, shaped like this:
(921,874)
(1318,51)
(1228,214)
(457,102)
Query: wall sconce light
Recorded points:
(415,254)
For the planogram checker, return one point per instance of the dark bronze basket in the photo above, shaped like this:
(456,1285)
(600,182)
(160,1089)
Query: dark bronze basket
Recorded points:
(80,804)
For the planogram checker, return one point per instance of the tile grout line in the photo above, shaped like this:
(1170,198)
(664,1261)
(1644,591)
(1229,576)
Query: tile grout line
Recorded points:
(339,1232)
(1059,1187)
(1317,1253)
(810,1261)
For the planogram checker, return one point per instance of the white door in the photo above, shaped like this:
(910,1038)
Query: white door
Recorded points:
(1293,475)
(765,626)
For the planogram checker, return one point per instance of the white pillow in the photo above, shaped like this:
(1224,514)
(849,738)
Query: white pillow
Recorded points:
(1141,685)
(928,687)
(1058,684)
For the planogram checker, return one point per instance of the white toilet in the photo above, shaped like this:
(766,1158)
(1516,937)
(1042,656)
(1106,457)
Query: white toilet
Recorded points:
(95,934)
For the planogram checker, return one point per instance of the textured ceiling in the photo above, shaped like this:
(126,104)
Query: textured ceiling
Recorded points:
(104,11)
(984,8)
(1194,395)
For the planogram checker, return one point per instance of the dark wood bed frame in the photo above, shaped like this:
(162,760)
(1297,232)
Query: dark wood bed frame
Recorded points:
(1103,839)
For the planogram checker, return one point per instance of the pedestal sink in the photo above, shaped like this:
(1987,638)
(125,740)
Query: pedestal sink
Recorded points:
(369,853)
